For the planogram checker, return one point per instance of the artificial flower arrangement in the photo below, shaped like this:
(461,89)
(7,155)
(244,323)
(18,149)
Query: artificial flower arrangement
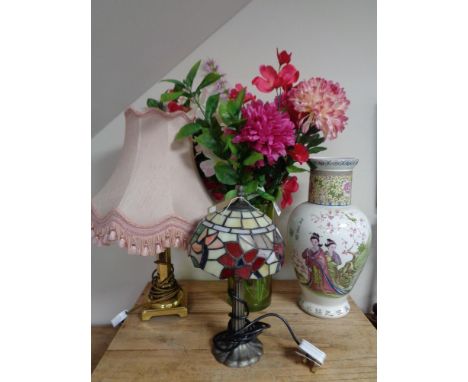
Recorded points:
(242,140)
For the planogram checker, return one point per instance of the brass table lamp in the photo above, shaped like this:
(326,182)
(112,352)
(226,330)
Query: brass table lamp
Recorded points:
(152,202)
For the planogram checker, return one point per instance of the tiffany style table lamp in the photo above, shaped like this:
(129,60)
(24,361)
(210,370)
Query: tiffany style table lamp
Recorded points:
(242,242)
(152,201)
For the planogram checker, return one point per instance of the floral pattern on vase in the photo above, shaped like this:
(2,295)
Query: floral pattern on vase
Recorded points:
(331,190)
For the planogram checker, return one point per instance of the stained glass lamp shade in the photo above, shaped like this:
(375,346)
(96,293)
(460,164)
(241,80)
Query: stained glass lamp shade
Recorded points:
(242,242)
(238,241)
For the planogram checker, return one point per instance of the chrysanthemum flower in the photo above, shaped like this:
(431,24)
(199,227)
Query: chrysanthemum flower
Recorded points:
(321,102)
(267,130)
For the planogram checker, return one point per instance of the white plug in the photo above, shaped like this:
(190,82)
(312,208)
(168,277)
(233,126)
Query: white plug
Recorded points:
(122,316)
(311,353)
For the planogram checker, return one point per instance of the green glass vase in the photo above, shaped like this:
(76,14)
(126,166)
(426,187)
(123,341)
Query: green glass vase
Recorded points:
(257,292)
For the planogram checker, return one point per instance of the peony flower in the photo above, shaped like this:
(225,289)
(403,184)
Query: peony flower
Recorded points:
(283,57)
(299,153)
(290,185)
(233,93)
(271,80)
(267,130)
(322,103)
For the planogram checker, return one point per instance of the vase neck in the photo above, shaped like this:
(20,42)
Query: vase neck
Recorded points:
(330,188)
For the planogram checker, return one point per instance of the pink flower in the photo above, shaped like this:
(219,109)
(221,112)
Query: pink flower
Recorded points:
(207,166)
(322,103)
(267,130)
(347,187)
(271,80)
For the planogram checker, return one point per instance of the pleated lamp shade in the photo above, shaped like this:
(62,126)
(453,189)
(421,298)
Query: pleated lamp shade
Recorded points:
(154,198)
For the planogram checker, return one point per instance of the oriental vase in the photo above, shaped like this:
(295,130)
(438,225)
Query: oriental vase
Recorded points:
(328,239)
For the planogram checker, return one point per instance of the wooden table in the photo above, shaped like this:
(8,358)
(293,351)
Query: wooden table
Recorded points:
(179,349)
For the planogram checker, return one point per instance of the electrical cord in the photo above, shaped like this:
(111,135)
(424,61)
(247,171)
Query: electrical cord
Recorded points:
(230,339)
(163,290)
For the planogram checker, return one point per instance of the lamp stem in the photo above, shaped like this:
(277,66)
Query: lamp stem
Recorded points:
(238,307)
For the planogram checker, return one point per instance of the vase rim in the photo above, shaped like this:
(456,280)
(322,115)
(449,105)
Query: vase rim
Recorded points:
(335,163)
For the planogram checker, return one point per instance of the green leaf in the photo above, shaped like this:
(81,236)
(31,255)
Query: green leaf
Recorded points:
(266,195)
(230,194)
(225,173)
(211,105)
(188,130)
(314,150)
(311,164)
(207,140)
(251,187)
(209,79)
(175,82)
(240,99)
(223,113)
(252,158)
(192,73)
(231,145)
(151,102)
(166,97)
(293,169)
(238,123)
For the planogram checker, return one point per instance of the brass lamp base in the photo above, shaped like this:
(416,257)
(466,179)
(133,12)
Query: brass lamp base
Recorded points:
(165,297)
(176,306)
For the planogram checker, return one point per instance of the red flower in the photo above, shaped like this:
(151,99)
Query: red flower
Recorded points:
(173,106)
(271,80)
(288,75)
(237,263)
(290,185)
(218,195)
(283,57)
(299,153)
(233,93)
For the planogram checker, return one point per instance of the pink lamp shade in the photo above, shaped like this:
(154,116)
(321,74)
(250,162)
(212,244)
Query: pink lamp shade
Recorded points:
(154,198)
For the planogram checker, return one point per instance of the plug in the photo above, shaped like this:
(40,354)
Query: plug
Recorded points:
(311,353)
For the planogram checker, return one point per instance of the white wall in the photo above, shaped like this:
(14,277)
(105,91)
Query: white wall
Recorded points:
(335,39)
(136,42)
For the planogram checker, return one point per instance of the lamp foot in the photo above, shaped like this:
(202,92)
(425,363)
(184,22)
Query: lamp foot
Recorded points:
(175,306)
(242,356)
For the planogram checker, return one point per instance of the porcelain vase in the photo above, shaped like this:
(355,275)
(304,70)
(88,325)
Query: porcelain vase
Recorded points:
(329,239)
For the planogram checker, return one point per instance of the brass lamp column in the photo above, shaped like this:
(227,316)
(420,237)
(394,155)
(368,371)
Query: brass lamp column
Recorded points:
(165,297)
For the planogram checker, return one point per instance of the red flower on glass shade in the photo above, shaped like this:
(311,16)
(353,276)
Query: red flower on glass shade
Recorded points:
(290,185)
(237,263)
(173,106)
(233,93)
(271,80)
(299,153)
(283,57)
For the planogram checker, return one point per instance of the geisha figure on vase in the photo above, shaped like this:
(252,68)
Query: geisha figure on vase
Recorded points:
(317,264)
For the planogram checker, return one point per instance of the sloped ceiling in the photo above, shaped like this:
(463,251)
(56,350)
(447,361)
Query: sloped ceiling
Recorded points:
(136,42)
